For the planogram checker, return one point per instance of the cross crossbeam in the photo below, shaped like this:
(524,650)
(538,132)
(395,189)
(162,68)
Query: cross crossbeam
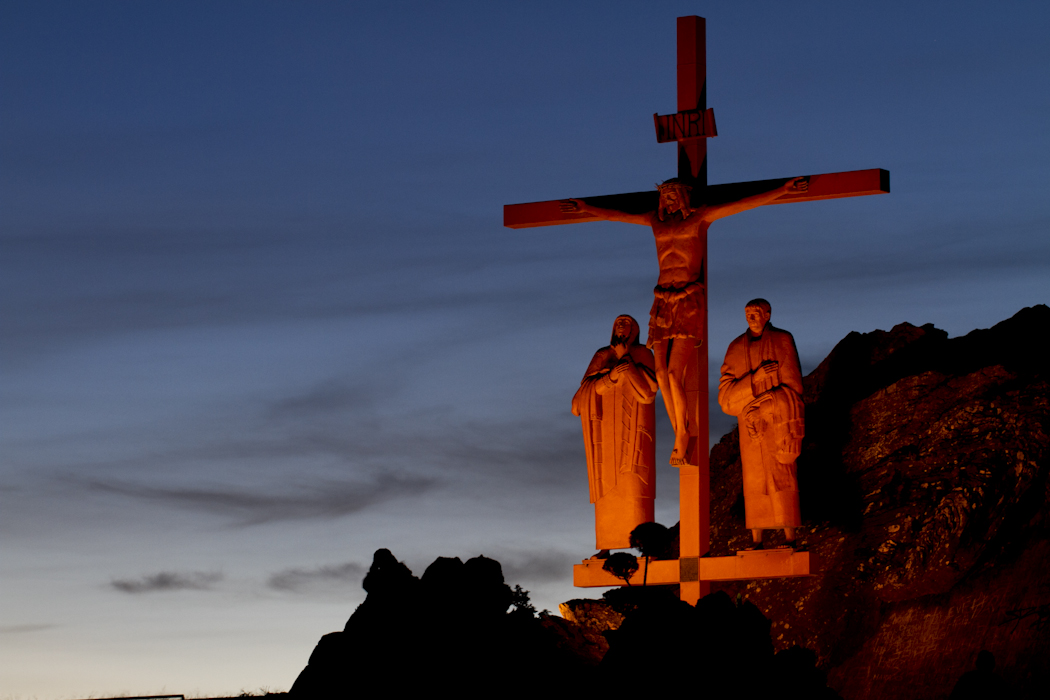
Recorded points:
(854,183)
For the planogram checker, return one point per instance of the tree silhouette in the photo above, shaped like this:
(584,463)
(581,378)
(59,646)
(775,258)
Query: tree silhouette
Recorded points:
(654,541)
(521,602)
(622,565)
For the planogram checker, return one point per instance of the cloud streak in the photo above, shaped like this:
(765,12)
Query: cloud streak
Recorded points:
(322,500)
(536,566)
(166,581)
(298,580)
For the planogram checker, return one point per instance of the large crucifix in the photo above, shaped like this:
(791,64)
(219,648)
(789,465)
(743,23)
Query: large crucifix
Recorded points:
(682,366)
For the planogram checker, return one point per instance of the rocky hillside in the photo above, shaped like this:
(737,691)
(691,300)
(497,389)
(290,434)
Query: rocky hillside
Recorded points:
(458,626)
(924,483)
(925,502)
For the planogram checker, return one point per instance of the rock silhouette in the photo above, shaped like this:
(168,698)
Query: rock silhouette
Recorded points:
(450,628)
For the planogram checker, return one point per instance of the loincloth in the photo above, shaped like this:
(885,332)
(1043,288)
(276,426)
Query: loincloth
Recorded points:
(678,312)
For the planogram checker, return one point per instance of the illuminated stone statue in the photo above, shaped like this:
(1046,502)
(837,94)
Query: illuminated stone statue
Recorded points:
(677,318)
(615,403)
(761,384)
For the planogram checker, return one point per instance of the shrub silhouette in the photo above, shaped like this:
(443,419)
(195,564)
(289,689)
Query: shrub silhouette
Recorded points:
(654,541)
(522,603)
(622,565)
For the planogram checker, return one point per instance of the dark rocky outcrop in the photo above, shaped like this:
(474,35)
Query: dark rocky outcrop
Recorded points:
(720,648)
(412,636)
(448,630)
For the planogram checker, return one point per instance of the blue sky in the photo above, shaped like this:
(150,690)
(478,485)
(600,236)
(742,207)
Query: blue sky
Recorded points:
(260,316)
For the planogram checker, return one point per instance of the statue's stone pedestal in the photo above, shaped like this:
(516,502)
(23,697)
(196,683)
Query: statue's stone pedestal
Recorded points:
(746,565)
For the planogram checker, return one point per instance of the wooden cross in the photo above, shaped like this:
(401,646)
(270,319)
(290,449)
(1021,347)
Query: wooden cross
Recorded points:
(690,127)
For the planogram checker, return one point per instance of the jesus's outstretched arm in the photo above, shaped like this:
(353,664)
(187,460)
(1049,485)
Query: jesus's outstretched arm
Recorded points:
(570,206)
(720,211)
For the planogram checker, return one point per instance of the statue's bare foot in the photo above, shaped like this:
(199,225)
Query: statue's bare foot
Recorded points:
(678,455)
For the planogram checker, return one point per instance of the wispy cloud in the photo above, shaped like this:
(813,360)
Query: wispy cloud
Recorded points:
(331,397)
(536,566)
(320,500)
(168,581)
(297,580)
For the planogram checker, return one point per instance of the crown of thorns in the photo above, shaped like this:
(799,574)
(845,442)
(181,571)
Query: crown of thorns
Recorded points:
(673,183)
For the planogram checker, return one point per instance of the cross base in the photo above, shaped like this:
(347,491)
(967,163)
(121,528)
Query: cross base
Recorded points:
(746,565)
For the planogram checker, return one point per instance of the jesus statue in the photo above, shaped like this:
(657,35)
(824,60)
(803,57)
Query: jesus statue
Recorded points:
(677,318)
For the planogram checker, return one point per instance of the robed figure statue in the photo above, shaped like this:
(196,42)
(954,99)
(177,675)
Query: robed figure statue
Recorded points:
(761,384)
(615,406)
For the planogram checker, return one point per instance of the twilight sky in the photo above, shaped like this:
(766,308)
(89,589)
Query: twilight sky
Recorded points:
(260,316)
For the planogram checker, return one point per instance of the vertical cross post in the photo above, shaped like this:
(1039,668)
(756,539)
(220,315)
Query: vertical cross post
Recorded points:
(694,488)
(692,95)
